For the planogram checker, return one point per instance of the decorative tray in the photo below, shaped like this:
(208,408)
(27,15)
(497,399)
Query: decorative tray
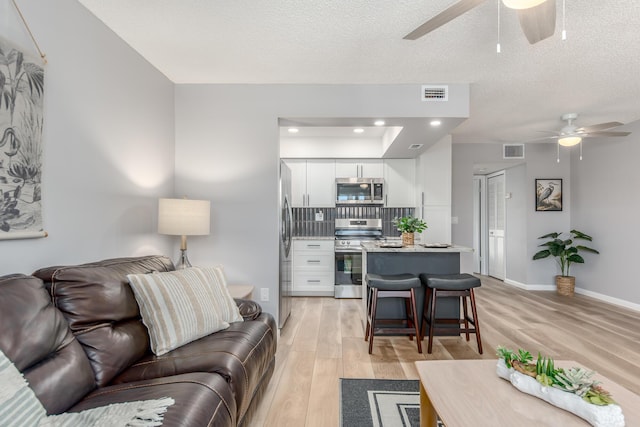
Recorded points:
(390,245)
(435,245)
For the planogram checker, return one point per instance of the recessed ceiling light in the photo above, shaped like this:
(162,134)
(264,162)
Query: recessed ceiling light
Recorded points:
(435,123)
(293,130)
(358,130)
(379,123)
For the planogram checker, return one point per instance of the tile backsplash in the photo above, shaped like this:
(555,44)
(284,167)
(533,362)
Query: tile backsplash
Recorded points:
(305,224)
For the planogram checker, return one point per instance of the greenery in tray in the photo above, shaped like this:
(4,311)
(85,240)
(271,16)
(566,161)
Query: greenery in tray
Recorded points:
(572,380)
(565,251)
(409,224)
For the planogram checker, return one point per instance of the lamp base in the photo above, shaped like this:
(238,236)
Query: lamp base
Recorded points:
(183,261)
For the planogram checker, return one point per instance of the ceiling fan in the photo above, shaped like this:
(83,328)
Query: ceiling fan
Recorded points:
(571,135)
(537,17)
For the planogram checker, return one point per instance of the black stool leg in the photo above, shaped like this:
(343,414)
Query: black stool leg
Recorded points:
(416,325)
(410,320)
(432,319)
(374,306)
(465,316)
(475,320)
(425,313)
(366,330)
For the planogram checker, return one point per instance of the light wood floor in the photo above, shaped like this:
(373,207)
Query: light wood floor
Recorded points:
(323,341)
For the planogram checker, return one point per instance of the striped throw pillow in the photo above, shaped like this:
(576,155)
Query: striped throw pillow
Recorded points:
(229,310)
(177,307)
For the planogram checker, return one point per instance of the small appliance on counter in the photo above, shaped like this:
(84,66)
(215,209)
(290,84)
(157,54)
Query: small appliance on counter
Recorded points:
(350,233)
(359,191)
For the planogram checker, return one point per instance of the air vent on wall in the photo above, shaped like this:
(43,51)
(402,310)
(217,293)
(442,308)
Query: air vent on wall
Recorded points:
(415,146)
(513,151)
(435,93)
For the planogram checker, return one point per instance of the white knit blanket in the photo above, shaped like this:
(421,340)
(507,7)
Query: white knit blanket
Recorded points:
(20,407)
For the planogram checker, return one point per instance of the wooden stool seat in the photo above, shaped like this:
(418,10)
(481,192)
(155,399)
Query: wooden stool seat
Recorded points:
(392,286)
(450,285)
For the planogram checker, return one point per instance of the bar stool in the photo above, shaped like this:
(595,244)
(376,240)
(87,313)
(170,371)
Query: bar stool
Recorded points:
(450,285)
(392,286)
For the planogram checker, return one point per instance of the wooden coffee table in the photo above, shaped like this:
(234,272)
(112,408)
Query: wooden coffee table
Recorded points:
(466,393)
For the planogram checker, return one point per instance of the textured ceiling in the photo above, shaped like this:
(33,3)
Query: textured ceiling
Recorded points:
(514,94)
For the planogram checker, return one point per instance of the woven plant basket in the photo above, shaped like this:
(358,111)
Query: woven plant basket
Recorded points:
(565,285)
(408,239)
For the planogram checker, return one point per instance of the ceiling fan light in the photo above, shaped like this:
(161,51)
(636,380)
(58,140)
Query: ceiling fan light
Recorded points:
(569,141)
(522,4)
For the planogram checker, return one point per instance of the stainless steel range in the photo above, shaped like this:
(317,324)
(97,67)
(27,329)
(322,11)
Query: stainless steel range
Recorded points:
(350,234)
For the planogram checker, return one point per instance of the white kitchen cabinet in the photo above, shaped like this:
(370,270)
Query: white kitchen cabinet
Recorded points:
(313,268)
(433,192)
(400,181)
(359,168)
(312,182)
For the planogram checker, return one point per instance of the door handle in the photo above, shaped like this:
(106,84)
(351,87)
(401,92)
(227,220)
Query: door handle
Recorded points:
(313,260)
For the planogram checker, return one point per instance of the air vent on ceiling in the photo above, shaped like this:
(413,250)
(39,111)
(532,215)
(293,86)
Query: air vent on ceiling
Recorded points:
(513,151)
(435,93)
(415,146)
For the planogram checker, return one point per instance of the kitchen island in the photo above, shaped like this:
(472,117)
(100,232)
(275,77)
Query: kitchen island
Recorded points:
(383,258)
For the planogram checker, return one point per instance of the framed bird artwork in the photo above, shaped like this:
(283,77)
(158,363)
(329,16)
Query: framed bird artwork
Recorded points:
(548,194)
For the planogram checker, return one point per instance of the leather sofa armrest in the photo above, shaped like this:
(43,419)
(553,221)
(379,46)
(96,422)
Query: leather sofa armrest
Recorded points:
(249,309)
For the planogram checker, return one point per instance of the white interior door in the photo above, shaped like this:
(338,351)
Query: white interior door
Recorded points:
(496,219)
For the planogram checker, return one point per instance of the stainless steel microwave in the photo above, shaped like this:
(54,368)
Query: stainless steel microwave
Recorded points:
(359,191)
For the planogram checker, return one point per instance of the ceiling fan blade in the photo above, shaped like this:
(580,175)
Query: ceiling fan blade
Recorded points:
(539,22)
(598,127)
(449,14)
(609,133)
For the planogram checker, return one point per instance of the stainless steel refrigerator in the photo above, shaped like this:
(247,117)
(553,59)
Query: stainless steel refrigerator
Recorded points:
(286,230)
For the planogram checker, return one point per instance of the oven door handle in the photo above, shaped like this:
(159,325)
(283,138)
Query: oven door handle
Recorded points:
(348,251)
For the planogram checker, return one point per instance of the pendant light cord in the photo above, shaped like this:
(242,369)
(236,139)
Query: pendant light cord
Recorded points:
(498,49)
(564,13)
(24,21)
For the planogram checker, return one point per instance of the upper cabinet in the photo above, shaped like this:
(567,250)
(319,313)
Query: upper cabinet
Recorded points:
(312,182)
(359,168)
(399,179)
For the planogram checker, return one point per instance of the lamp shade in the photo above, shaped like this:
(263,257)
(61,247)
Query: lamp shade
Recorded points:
(184,217)
(569,141)
(522,4)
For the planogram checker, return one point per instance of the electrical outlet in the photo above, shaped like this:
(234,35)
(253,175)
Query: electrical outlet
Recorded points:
(264,294)
(319,216)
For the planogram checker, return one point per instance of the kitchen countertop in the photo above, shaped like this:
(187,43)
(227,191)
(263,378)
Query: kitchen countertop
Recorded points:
(375,247)
(313,238)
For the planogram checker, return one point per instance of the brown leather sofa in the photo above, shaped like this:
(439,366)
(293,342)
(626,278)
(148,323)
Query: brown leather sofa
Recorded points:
(75,333)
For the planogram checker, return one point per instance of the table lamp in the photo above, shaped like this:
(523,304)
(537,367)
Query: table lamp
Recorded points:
(183,217)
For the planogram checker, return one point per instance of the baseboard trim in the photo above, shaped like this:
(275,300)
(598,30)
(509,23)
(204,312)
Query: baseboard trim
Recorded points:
(611,300)
(595,295)
(530,287)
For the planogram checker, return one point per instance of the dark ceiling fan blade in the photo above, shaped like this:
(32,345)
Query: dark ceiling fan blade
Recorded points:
(609,133)
(449,14)
(599,126)
(539,22)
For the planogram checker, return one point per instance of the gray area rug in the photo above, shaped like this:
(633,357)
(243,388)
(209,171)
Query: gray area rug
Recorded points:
(379,403)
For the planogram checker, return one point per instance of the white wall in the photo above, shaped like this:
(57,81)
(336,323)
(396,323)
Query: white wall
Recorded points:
(605,205)
(526,223)
(108,141)
(227,150)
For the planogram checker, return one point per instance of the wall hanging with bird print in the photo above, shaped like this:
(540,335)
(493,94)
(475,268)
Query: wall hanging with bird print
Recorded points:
(549,194)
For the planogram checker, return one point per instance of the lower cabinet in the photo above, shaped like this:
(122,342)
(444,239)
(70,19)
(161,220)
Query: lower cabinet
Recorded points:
(313,268)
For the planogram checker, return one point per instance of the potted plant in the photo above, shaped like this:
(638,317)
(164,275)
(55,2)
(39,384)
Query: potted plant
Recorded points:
(566,253)
(408,225)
